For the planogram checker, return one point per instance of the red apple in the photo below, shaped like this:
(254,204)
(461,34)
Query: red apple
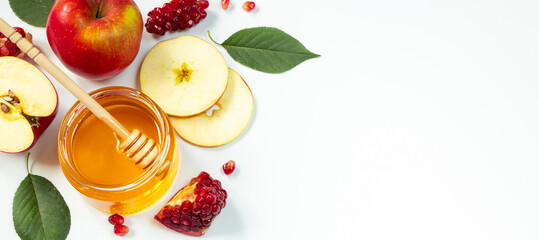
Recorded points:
(95,39)
(28,104)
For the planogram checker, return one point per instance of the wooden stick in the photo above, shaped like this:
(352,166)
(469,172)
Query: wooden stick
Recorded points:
(34,53)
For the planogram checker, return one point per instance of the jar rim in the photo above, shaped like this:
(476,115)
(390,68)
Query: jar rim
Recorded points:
(102,93)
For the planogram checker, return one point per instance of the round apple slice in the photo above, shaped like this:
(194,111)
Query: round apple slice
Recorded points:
(224,124)
(28,103)
(185,75)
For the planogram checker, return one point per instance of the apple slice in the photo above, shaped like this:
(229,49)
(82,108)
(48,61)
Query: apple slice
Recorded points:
(185,75)
(224,124)
(28,104)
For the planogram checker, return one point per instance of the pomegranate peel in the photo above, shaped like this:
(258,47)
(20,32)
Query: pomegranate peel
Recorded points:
(193,208)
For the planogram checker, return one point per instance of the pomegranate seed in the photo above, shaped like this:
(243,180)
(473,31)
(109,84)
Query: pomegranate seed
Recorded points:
(4,51)
(224,4)
(14,52)
(203,4)
(168,16)
(168,26)
(116,219)
(190,23)
(203,15)
(158,11)
(184,17)
(120,229)
(229,167)
(9,44)
(249,6)
(20,30)
(195,15)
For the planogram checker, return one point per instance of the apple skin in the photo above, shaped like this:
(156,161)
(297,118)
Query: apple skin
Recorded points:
(96,39)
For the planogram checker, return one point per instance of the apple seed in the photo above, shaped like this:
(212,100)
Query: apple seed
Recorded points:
(11,98)
(5,108)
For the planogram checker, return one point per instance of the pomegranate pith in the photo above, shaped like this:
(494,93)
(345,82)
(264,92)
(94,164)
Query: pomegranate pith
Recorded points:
(229,167)
(193,208)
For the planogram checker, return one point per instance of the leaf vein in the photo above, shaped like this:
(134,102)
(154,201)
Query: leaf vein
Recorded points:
(271,50)
(42,227)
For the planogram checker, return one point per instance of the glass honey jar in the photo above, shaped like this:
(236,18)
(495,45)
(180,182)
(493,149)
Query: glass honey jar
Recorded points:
(91,161)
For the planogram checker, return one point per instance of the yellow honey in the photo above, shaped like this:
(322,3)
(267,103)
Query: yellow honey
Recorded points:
(92,163)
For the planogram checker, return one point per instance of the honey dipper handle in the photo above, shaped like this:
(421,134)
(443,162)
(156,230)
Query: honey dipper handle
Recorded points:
(34,53)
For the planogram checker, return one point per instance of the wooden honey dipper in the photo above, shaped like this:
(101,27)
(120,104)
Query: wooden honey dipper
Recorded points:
(140,149)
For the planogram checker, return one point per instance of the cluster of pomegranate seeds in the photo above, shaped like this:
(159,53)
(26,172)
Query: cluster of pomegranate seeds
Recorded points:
(229,167)
(118,221)
(249,6)
(192,210)
(7,47)
(176,15)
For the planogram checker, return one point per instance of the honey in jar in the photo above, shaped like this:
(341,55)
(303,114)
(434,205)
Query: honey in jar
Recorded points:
(92,162)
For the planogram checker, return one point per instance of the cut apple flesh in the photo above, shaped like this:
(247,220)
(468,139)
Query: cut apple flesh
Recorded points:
(17,135)
(185,75)
(224,124)
(32,97)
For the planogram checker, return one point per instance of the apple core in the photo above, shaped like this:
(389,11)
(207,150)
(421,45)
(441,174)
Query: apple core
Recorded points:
(183,74)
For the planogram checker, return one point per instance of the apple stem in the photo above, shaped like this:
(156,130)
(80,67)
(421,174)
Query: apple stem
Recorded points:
(27,157)
(32,120)
(98,13)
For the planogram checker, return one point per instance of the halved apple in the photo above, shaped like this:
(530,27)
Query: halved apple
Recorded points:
(184,75)
(28,104)
(224,124)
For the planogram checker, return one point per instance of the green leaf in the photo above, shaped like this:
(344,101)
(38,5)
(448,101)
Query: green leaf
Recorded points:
(39,211)
(266,49)
(33,12)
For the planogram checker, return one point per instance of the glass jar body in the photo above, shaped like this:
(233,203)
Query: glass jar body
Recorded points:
(94,166)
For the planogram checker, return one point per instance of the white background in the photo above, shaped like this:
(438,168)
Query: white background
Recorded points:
(419,121)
